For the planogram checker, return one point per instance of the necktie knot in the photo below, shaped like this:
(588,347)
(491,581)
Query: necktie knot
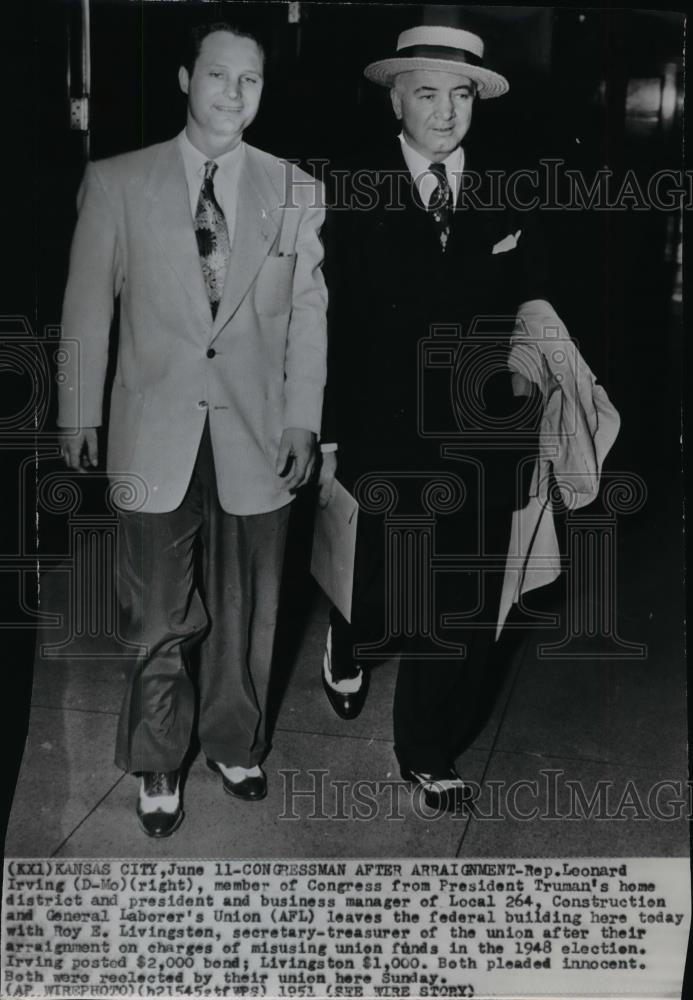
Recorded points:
(442,195)
(439,170)
(210,170)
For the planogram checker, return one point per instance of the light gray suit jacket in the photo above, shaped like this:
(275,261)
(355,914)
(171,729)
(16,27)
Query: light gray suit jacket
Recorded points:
(135,238)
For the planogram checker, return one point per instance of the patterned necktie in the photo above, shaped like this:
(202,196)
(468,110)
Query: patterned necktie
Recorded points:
(440,204)
(212,238)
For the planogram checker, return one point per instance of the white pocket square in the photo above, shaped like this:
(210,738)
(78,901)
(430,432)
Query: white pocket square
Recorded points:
(508,243)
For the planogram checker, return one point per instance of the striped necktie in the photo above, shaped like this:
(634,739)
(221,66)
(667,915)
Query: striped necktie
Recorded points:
(440,204)
(212,238)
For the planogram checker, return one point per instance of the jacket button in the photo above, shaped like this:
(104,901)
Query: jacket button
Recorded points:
(203,404)
(211,352)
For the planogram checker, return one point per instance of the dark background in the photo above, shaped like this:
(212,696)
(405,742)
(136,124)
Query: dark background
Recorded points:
(593,87)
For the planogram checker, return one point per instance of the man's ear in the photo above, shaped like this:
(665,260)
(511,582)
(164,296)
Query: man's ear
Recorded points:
(396,102)
(184,79)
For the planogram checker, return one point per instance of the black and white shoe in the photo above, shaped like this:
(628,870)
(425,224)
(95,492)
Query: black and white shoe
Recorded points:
(247,783)
(347,696)
(158,805)
(445,792)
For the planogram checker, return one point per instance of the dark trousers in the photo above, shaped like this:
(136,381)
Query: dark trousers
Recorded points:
(440,703)
(198,575)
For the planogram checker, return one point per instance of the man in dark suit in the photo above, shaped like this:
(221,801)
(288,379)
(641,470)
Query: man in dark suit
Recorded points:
(213,248)
(413,246)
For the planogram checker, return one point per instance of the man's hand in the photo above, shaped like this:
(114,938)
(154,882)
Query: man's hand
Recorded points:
(296,457)
(326,479)
(79,448)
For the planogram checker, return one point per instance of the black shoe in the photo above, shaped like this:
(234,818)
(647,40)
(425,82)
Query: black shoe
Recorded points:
(158,806)
(445,792)
(252,788)
(347,706)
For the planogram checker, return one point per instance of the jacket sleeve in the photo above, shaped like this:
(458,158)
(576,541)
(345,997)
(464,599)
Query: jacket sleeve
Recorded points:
(305,362)
(94,280)
(329,433)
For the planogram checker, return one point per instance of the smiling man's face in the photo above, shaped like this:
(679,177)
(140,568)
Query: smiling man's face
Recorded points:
(223,91)
(435,109)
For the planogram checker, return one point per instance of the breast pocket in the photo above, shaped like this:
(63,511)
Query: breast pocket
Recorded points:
(274,285)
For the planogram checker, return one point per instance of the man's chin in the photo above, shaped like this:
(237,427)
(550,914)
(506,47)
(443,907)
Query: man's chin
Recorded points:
(443,145)
(229,130)
(446,143)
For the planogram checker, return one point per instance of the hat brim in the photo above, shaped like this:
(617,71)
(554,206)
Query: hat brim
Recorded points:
(489,84)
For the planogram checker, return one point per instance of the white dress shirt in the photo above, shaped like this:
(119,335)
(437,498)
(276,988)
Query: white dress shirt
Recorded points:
(225,179)
(427,182)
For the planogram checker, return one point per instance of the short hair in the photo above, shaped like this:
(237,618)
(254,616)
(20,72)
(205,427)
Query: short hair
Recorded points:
(199,32)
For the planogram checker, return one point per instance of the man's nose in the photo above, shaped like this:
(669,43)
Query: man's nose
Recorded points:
(446,107)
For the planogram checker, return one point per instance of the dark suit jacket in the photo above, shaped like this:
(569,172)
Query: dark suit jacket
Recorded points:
(418,338)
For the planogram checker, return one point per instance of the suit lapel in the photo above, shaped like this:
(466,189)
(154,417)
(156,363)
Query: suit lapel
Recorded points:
(172,225)
(257,215)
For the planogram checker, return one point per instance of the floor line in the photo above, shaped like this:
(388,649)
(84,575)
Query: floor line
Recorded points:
(85,818)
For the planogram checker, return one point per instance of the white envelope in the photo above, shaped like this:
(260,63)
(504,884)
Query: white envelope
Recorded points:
(334,546)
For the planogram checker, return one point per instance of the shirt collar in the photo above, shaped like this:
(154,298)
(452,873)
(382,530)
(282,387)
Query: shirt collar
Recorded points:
(195,160)
(418,164)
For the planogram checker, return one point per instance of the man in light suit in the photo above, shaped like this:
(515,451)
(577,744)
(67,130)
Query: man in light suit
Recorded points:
(409,251)
(213,248)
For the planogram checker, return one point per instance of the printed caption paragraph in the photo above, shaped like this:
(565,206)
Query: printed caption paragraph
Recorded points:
(583,927)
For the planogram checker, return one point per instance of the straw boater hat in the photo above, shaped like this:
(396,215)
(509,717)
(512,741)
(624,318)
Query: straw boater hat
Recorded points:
(451,50)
